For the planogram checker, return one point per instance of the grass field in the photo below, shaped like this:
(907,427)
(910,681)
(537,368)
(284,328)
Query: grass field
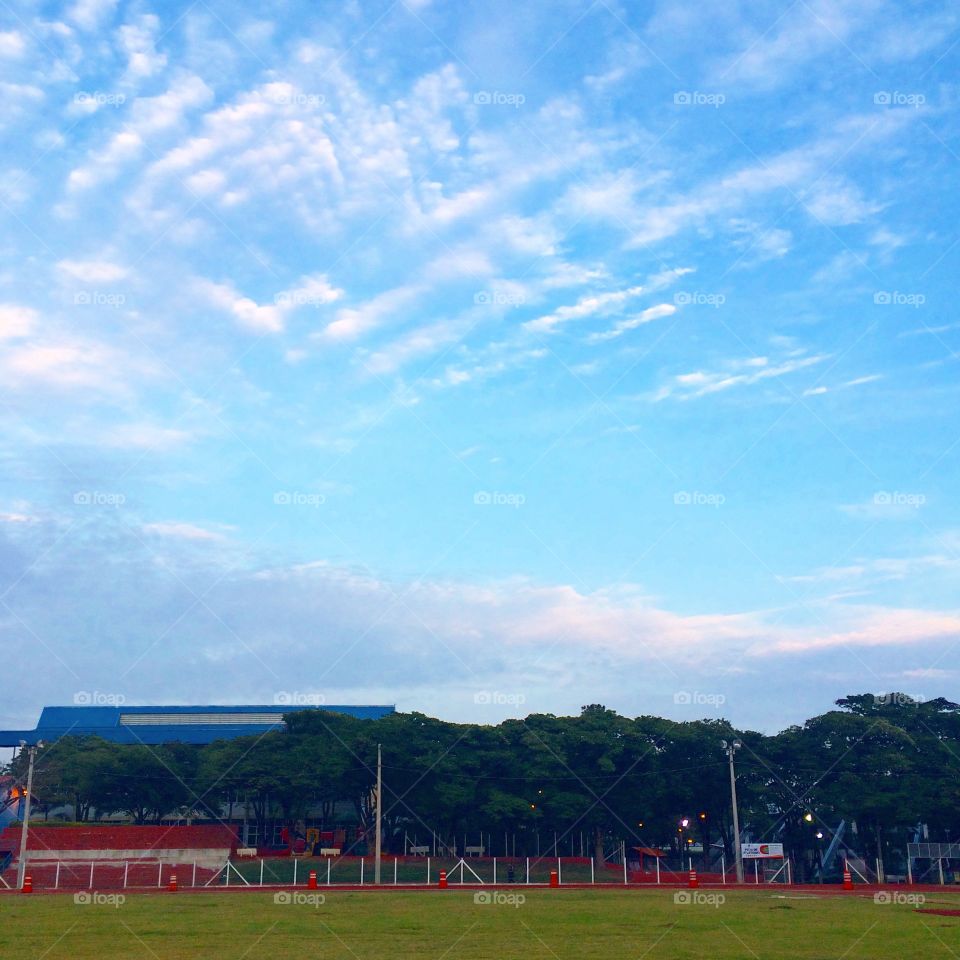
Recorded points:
(576,924)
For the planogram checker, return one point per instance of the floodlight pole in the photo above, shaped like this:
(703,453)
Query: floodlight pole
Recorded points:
(729,749)
(25,826)
(379,833)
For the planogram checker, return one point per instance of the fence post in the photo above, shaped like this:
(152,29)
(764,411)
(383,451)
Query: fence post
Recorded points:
(56,882)
(909,868)
(428,871)
(494,871)
(559,874)
(591,871)
(159,875)
(723,866)
(261,871)
(92,865)
(193,880)
(295,862)
(528,871)
(361,871)
(940,868)
(126,867)
(623,854)
(394,871)
(658,870)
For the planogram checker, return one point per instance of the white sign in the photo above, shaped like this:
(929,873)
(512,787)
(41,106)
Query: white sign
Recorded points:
(761,851)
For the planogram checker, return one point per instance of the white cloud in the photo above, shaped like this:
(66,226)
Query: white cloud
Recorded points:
(839,204)
(587,306)
(87,14)
(144,436)
(352,322)
(16,321)
(12,44)
(253,316)
(149,116)
(92,271)
(138,41)
(631,323)
(700,383)
(183,531)
(69,364)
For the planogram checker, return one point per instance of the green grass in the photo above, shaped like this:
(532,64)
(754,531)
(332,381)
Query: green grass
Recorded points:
(552,925)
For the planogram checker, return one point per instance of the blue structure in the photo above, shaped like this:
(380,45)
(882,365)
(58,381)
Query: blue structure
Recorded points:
(168,724)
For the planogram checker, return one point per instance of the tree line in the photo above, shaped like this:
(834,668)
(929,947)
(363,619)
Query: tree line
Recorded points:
(883,764)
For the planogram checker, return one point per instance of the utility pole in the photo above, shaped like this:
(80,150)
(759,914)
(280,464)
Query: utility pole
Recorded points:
(25,826)
(379,795)
(730,749)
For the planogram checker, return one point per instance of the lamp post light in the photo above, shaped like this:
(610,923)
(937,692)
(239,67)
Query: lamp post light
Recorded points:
(25,826)
(730,749)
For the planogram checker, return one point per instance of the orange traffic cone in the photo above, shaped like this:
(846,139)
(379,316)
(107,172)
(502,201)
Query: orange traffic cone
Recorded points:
(27,884)
(312,880)
(847,878)
(554,878)
(693,883)
(172,886)
(442,883)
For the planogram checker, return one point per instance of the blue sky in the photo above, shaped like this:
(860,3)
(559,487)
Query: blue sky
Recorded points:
(480,358)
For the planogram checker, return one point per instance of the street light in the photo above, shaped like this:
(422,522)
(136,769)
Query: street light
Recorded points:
(730,749)
(25,826)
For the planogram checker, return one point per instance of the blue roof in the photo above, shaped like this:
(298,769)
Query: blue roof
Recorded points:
(123,724)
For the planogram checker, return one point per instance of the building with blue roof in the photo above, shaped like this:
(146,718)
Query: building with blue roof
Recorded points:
(154,725)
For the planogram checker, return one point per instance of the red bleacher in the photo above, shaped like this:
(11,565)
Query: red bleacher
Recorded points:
(103,837)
